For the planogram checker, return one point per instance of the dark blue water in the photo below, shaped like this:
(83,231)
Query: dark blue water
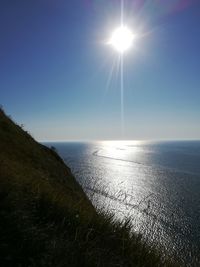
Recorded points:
(156,184)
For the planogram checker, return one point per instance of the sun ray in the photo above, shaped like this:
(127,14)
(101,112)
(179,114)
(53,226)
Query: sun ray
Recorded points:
(122,75)
(110,76)
(118,66)
(122,93)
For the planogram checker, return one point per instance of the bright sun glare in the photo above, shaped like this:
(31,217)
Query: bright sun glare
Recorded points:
(121,39)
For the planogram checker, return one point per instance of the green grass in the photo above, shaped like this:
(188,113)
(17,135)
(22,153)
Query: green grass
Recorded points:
(47,220)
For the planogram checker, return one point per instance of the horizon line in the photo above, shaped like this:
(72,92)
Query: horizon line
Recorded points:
(116,140)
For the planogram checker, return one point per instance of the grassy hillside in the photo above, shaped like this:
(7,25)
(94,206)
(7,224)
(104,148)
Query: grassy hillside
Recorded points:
(45,217)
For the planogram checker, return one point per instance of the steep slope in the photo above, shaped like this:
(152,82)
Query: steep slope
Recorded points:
(36,190)
(47,220)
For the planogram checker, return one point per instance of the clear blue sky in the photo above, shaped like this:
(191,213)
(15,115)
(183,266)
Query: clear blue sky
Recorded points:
(55,66)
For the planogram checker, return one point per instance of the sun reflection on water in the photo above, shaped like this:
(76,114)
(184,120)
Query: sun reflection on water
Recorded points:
(120,149)
(131,188)
(124,183)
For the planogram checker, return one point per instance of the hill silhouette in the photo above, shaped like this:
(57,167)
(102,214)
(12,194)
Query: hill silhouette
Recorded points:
(47,220)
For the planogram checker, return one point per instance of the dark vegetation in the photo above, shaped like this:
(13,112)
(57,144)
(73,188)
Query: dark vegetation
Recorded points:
(47,220)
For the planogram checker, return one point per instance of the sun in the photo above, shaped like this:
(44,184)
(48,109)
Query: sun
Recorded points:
(121,39)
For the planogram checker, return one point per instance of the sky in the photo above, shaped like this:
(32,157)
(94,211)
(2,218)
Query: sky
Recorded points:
(60,78)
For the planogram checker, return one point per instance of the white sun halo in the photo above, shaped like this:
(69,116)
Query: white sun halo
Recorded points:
(121,39)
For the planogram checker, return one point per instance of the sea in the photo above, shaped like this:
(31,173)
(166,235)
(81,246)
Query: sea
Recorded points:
(154,185)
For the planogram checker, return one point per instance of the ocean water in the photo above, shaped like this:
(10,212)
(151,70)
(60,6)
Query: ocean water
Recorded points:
(155,184)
